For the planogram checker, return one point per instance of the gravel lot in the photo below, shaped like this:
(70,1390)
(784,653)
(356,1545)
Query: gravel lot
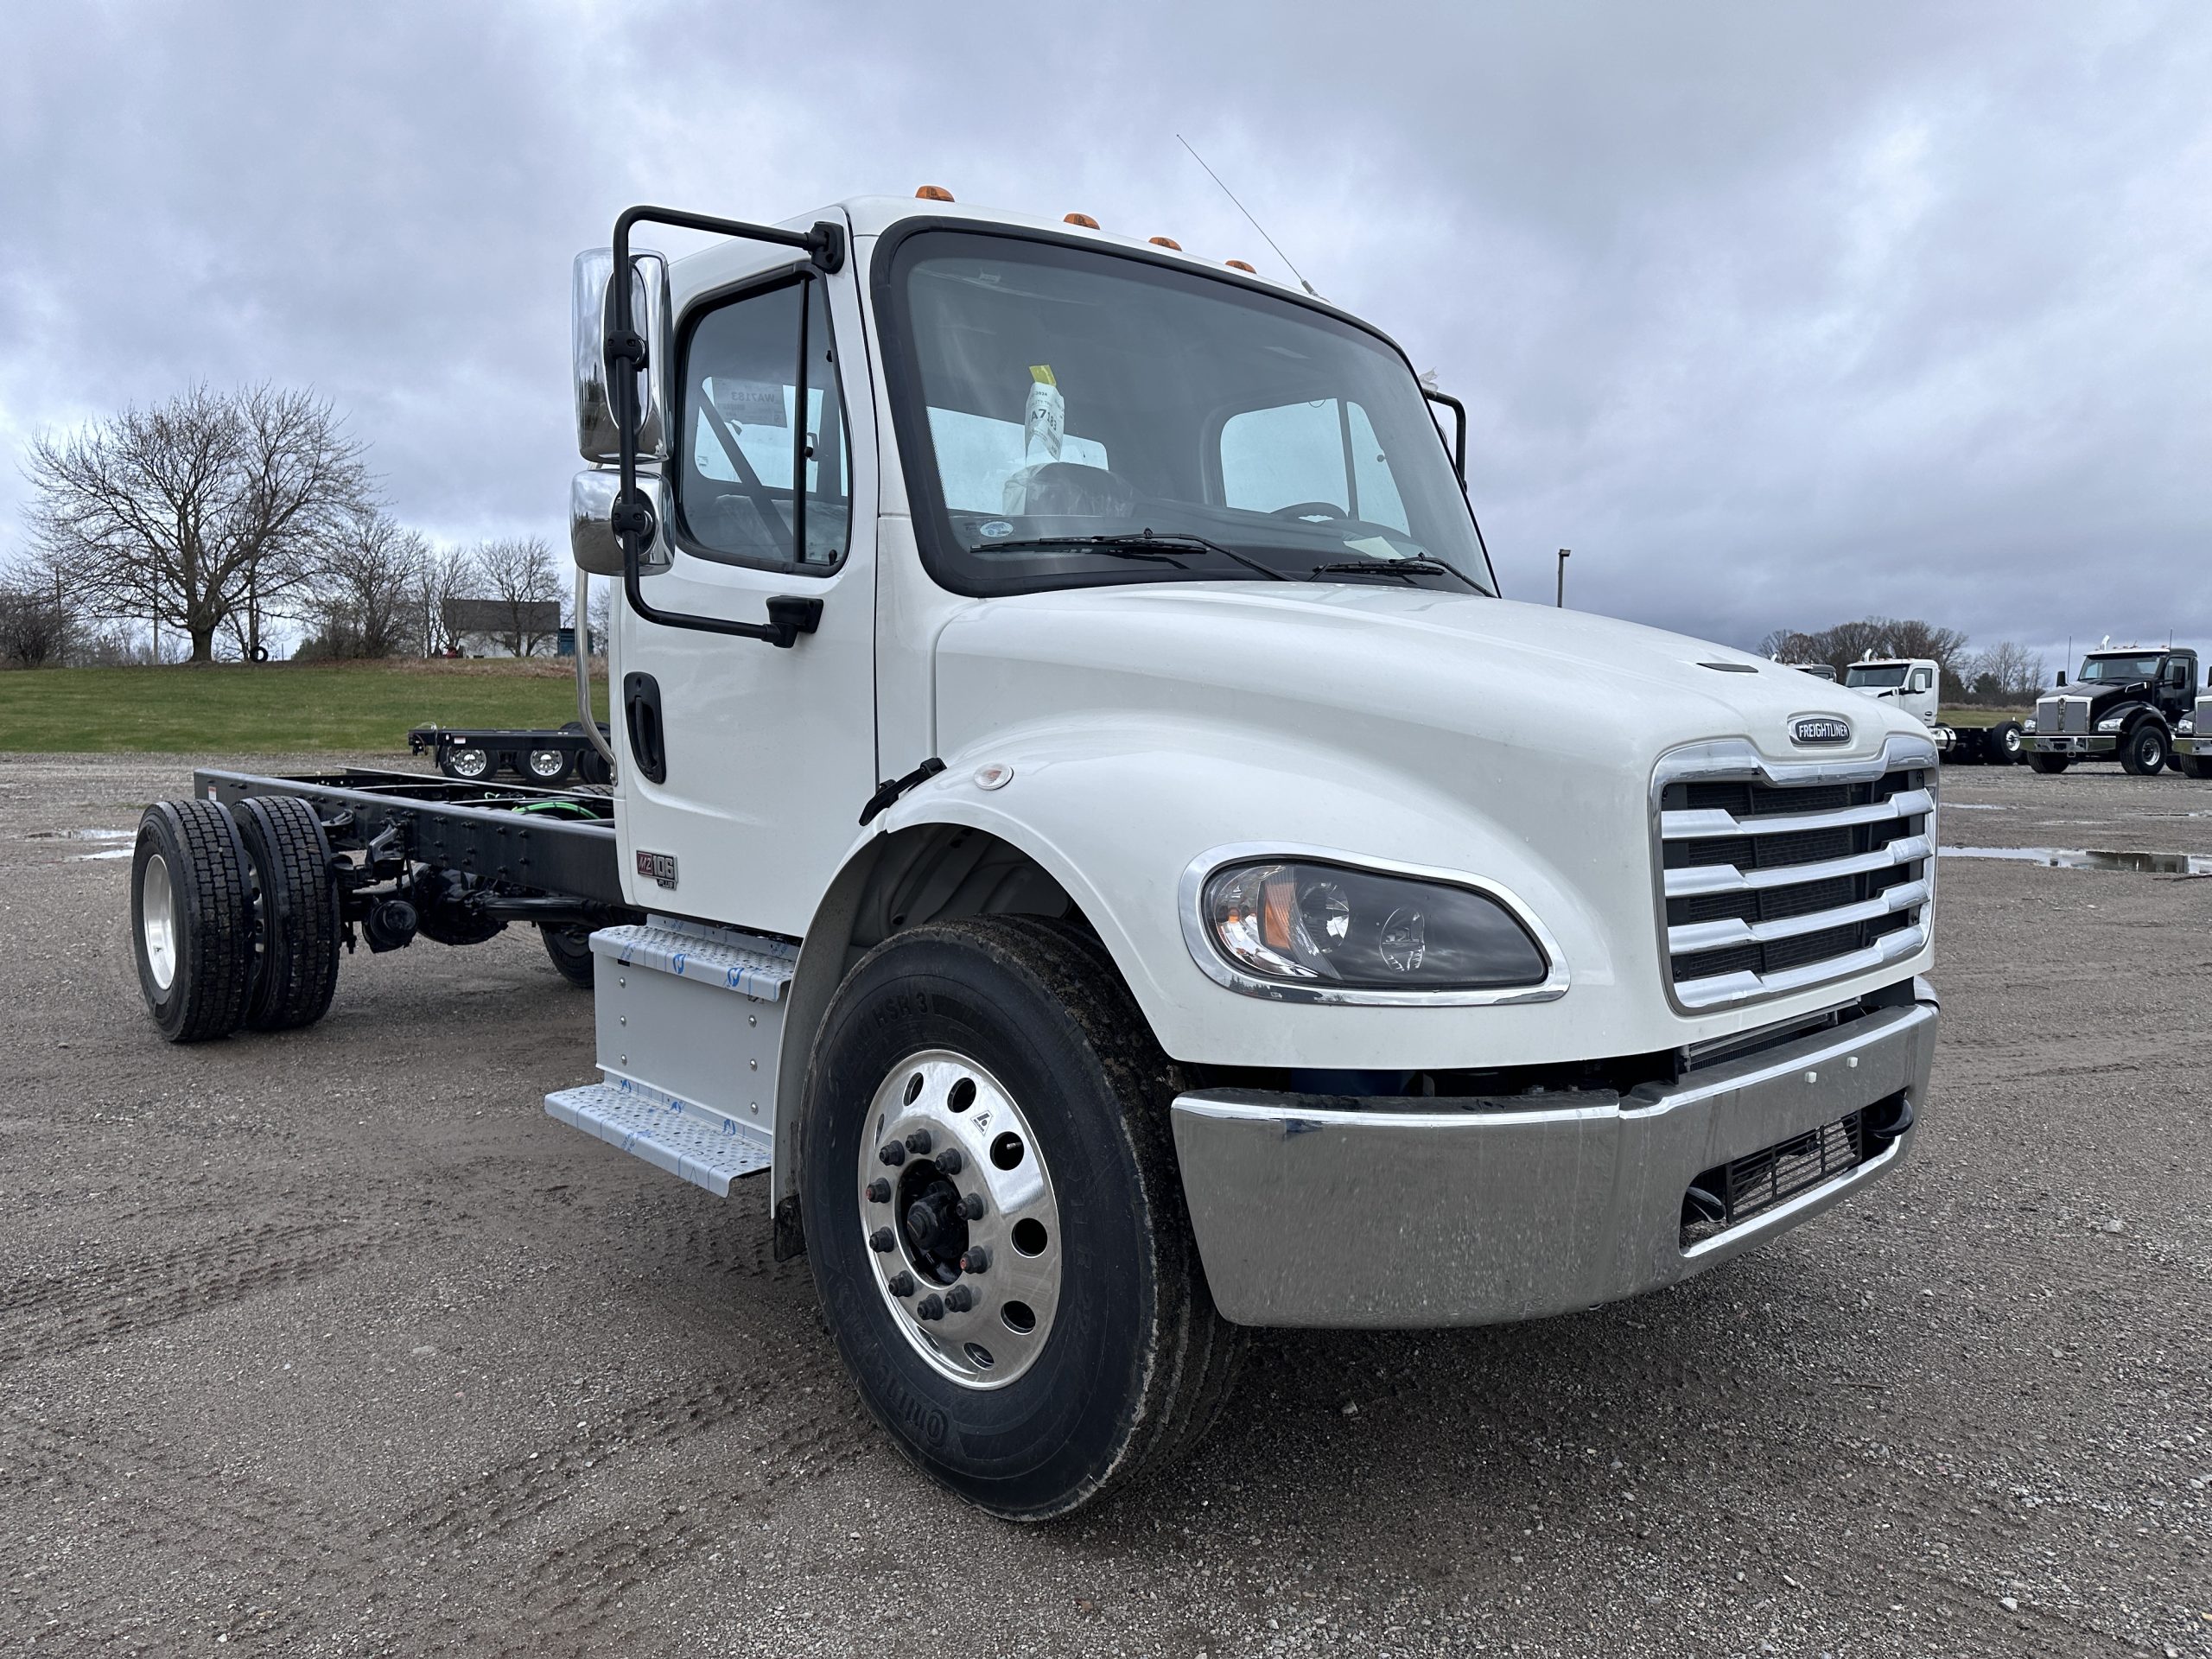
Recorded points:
(335,1342)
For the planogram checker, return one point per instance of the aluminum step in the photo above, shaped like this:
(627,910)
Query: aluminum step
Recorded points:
(722,957)
(705,1147)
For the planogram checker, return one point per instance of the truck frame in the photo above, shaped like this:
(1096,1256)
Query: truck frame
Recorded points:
(1915,684)
(1092,849)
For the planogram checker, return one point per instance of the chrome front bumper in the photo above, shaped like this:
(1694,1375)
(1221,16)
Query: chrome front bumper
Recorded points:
(2193,746)
(1323,1210)
(2056,743)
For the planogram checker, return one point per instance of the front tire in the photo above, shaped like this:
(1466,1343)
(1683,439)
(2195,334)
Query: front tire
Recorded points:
(469,764)
(190,925)
(2195,766)
(2050,766)
(1024,1023)
(2142,751)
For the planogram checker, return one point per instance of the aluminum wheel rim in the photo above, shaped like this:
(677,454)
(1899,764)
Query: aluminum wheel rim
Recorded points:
(157,921)
(471,763)
(546,762)
(983,1327)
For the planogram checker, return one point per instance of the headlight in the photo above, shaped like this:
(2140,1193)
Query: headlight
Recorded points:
(2029,724)
(2188,727)
(2112,725)
(1327,925)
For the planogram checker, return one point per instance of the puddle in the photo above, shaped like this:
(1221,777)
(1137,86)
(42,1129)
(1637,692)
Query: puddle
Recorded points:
(79,834)
(2066,858)
(1973,806)
(113,852)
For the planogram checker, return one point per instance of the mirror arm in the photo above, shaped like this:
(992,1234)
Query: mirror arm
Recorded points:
(1459,469)
(633,519)
(583,672)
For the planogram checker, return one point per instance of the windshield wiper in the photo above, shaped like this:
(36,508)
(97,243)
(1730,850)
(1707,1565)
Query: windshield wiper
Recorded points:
(1130,546)
(1423,563)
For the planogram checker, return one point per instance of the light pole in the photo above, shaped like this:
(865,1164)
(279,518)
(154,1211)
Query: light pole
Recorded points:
(1565,553)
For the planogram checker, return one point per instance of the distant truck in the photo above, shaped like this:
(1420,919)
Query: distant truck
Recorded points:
(2193,737)
(1915,684)
(2128,702)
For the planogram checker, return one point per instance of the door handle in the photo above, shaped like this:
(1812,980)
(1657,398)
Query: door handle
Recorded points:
(641,716)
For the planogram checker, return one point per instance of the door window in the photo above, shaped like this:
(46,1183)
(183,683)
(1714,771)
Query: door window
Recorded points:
(1921,679)
(750,464)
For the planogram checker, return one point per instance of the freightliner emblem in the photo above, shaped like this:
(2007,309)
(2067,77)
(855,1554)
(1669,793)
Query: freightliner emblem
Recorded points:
(1820,728)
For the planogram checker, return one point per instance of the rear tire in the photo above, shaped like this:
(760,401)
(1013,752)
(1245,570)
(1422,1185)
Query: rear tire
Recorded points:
(470,766)
(289,856)
(547,767)
(2002,747)
(2142,751)
(1136,1362)
(568,949)
(190,925)
(2049,764)
(2195,766)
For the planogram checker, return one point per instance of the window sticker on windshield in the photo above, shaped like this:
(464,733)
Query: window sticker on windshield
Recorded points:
(748,403)
(995,529)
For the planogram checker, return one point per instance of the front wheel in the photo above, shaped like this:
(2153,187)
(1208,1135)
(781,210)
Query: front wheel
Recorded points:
(2195,766)
(547,766)
(2142,751)
(467,764)
(568,949)
(2047,765)
(996,1221)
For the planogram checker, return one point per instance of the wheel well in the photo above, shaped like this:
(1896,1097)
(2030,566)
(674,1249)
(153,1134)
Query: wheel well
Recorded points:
(925,872)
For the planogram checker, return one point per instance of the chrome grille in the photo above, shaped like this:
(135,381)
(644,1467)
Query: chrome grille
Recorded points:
(2062,717)
(1771,887)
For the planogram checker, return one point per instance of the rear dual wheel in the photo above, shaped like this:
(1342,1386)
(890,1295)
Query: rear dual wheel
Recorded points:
(996,1221)
(234,918)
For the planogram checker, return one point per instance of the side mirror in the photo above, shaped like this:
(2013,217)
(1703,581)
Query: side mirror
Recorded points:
(596,438)
(591,541)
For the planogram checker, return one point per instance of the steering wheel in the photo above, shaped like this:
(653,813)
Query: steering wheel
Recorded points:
(1311,509)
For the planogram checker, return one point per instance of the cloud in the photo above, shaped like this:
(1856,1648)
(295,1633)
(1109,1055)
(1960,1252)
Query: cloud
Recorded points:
(1775,315)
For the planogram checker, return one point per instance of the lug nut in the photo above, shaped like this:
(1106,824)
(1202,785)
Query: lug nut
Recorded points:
(975,1259)
(919,1142)
(949,1162)
(892,1154)
(960,1299)
(972,1206)
(878,1191)
(881,1239)
(931,1306)
(902,1283)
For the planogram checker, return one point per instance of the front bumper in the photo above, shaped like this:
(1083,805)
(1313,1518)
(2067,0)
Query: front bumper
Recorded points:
(2053,743)
(2198,746)
(1327,1210)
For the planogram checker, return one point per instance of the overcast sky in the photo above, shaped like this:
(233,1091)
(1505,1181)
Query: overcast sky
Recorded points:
(1775,314)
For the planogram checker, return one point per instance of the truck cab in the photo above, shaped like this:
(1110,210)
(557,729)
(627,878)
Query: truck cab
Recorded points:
(2127,702)
(1099,857)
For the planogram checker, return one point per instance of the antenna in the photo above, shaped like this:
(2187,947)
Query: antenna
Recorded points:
(1247,212)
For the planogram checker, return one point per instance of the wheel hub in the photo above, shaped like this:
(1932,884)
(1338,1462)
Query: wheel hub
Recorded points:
(964,1238)
(157,909)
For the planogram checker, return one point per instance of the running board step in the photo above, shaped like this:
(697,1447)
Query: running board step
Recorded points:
(706,1148)
(719,956)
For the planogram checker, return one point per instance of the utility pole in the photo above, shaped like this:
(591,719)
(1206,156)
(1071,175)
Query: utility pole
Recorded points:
(1565,553)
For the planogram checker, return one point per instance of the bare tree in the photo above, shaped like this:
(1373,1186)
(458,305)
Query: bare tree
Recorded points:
(2006,673)
(524,581)
(366,583)
(208,506)
(39,624)
(447,573)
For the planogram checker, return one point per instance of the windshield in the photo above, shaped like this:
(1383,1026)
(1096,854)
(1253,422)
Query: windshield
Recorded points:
(2111,671)
(1878,675)
(1818,670)
(1057,403)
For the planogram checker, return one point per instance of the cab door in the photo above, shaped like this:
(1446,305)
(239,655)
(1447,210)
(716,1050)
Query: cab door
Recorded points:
(745,763)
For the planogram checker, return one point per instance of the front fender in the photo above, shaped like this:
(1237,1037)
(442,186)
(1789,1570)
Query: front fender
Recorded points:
(1117,816)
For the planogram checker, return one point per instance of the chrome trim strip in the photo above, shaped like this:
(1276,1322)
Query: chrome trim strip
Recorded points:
(1190,890)
(1709,823)
(1723,989)
(1693,880)
(1693,937)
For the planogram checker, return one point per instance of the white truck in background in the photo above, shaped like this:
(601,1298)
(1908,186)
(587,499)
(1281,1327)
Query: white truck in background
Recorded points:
(1916,685)
(1091,845)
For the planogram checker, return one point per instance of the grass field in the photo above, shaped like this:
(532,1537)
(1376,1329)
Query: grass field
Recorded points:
(1983,716)
(276,707)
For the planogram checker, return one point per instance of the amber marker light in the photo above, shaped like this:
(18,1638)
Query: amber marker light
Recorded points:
(1238,265)
(933,193)
(1084,219)
(1166,242)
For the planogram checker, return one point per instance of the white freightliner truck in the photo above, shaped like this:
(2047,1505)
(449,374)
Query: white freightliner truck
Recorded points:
(1087,838)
